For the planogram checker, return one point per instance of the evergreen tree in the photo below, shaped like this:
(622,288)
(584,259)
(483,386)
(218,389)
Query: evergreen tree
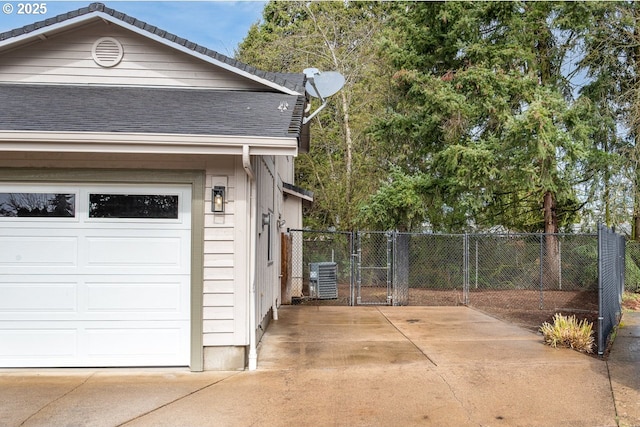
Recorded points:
(343,166)
(485,112)
(610,64)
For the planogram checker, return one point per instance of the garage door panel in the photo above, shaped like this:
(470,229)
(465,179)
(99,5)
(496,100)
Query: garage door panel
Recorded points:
(106,290)
(96,344)
(99,297)
(134,251)
(166,298)
(16,297)
(24,342)
(42,251)
(136,341)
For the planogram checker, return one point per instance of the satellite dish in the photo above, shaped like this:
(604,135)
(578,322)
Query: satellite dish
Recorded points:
(322,85)
(310,72)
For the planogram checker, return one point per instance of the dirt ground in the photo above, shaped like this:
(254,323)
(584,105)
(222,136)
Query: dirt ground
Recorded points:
(526,308)
(530,309)
(631,301)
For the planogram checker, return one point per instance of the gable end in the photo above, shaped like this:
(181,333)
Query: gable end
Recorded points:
(290,83)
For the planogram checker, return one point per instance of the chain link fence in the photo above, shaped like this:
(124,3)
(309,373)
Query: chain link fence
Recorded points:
(610,283)
(527,278)
(310,247)
(632,267)
(523,278)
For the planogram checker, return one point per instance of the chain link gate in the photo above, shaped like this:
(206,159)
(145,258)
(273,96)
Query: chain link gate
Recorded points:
(311,249)
(430,269)
(374,257)
(363,262)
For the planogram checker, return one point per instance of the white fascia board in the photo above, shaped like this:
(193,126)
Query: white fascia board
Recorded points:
(42,32)
(105,142)
(36,34)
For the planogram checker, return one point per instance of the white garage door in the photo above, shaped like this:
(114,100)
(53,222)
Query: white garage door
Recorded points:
(94,275)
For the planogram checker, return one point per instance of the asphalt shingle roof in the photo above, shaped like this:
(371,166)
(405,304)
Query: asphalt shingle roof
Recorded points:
(293,81)
(64,108)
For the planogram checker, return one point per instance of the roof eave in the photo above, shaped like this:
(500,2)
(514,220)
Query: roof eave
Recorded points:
(298,192)
(143,143)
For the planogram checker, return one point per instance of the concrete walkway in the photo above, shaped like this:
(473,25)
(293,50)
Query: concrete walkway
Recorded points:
(348,366)
(624,369)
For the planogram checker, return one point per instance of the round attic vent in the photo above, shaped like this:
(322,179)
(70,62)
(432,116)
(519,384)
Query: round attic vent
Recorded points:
(107,52)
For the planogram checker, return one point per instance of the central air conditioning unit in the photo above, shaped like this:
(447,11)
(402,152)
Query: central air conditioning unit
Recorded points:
(323,280)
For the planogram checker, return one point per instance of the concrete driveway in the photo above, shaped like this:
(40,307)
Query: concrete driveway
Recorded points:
(348,366)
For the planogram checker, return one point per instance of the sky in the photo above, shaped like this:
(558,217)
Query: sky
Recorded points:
(218,25)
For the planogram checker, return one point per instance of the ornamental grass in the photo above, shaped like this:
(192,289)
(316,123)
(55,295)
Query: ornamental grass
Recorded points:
(567,331)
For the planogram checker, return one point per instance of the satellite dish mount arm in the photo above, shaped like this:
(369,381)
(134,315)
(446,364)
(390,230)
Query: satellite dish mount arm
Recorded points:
(321,85)
(311,81)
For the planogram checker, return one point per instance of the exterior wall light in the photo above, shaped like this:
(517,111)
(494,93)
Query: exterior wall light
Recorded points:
(217,199)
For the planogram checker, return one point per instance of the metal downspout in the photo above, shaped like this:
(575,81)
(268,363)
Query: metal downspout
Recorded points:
(253,209)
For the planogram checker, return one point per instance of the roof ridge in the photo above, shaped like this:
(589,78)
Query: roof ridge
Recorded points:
(277,78)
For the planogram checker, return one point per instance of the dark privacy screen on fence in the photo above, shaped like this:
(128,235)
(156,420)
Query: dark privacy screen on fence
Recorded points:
(611,248)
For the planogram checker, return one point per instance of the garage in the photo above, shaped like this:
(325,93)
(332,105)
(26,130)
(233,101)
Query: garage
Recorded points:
(140,211)
(95,275)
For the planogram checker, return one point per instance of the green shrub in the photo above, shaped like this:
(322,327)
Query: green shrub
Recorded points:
(569,332)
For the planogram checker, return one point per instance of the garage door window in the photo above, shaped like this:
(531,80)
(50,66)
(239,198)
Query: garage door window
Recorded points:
(38,205)
(148,206)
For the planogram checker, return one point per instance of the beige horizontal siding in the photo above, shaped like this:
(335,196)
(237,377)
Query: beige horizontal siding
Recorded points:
(214,302)
(67,59)
(218,232)
(219,286)
(220,313)
(217,326)
(224,287)
(217,339)
(216,246)
(213,220)
(218,260)
(102,79)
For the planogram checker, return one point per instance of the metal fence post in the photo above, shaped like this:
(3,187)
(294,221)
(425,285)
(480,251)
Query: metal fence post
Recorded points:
(352,264)
(394,269)
(476,265)
(600,290)
(622,256)
(465,270)
(542,271)
(390,239)
(359,267)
